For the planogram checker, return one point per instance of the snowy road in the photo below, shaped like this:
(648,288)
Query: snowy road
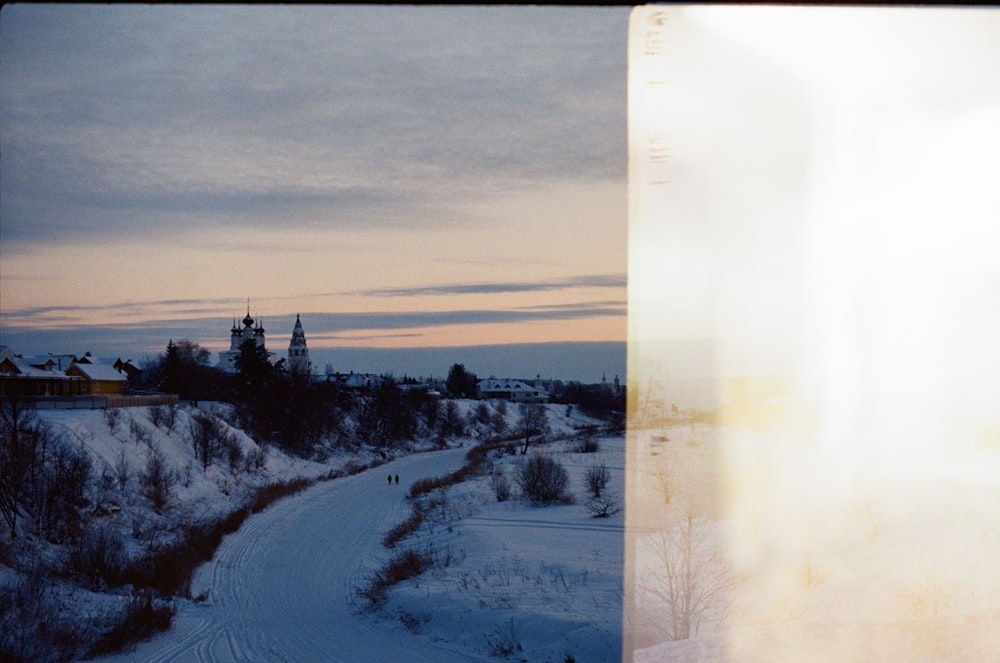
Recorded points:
(282,587)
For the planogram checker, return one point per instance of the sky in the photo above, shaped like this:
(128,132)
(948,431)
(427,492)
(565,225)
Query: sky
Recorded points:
(407,179)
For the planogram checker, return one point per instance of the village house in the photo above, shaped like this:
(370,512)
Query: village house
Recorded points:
(132,373)
(35,376)
(355,381)
(56,375)
(100,379)
(510,390)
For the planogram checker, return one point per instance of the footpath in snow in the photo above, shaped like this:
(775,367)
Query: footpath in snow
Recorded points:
(282,587)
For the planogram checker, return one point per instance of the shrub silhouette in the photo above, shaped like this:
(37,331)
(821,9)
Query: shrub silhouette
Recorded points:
(543,480)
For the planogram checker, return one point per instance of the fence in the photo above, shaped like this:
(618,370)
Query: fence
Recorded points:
(98,402)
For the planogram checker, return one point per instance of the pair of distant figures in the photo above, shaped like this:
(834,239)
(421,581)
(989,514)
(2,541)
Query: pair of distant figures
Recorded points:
(391,478)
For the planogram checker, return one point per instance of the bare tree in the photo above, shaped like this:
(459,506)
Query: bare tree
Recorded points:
(158,480)
(122,472)
(690,578)
(22,452)
(602,502)
(500,419)
(534,421)
(451,423)
(483,415)
(9,509)
(208,436)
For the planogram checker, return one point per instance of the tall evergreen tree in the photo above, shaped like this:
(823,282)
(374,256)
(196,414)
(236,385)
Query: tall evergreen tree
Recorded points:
(461,383)
(172,370)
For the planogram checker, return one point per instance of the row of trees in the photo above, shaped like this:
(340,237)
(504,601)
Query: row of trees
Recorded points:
(41,474)
(45,475)
(298,414)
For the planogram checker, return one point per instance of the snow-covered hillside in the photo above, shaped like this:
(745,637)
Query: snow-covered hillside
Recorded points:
(509,579)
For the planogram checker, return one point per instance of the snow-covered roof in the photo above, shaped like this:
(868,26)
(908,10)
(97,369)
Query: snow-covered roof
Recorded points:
(32,367)
(357,380)
(492,384)
(101,372)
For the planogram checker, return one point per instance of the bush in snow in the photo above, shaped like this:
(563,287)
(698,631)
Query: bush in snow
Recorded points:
(33,624)
(543,480)
(597,479)
(112,418)
(504,641)
(253,460)
(606,504)
(601,502)
(403,566)
(99,556)
(500,485)
(163,416)
(139,619)
(588,445)
(139,432)
(405,528)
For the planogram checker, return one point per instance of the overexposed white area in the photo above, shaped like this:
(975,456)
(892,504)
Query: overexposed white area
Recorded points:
(889,568)
(813,198)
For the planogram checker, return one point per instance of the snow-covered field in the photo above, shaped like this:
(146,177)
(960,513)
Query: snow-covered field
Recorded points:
(543,583)
(512,581)
(825,553)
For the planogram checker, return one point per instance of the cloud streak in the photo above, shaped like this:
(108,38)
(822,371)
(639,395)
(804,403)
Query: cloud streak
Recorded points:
(162,119)
(138,338)
(75,314)
(490,288)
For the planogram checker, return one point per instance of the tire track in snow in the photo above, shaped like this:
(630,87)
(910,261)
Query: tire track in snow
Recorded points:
(510,523)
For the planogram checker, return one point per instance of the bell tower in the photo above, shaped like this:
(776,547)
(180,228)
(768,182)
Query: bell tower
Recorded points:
(298,353)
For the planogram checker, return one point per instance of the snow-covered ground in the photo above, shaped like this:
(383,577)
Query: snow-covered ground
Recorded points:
(283,587)
(543,582)
(512,581)
(829,554)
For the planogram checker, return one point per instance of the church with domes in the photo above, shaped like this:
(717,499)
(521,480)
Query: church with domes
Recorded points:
(298,352)
(237,337)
